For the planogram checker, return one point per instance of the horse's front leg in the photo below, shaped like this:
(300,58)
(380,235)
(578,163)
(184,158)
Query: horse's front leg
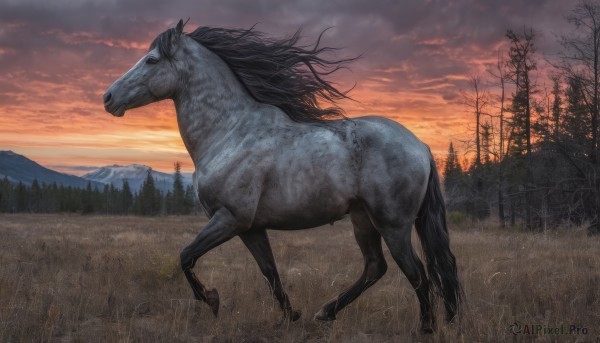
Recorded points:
(221,228)
(257,242)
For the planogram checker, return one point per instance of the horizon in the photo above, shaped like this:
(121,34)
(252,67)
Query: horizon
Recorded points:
(85,170)
(59,59)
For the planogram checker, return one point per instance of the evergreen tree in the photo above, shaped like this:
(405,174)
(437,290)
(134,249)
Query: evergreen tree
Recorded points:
(149,197)
(520,65)
(50,198)
(169,203)
(98,200)
(452,170)
(87,200)
(456,186)
(177,201)
(5,195)
(576,123)
(112,199)
(486,143)
(22,197)
(190,200)
(136,208)
(126,198)
(35,198)
(581,62)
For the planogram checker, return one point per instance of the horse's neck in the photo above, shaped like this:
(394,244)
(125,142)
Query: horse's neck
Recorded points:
(211,104)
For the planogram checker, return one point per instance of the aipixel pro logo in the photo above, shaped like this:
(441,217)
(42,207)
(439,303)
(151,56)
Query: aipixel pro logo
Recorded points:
(518,328)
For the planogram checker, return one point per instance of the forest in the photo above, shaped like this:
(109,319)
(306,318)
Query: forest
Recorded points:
(44,198)
(532,158)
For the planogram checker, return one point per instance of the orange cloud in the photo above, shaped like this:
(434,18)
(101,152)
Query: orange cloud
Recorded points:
(56,62)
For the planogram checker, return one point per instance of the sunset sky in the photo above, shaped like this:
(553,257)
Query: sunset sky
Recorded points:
(58,57)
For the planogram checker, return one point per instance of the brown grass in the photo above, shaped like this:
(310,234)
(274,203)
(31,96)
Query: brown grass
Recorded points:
(89,279)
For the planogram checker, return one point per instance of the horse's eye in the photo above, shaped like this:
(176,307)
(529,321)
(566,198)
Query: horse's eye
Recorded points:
(151,60)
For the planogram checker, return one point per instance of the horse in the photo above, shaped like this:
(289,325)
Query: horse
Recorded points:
(267,155)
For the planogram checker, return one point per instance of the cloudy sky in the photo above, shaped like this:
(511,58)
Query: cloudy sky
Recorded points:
(58,57)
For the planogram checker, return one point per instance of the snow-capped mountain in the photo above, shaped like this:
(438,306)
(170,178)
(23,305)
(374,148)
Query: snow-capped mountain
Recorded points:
(135,174)
(19,168)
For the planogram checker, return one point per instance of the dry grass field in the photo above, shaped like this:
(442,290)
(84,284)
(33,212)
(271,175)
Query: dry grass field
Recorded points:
(97,279)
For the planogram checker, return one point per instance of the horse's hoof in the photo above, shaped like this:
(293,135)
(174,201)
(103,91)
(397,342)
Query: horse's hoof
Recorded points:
(324,315)
(426,330)
(212,299)
(288,317)
(452,318)
(293,315)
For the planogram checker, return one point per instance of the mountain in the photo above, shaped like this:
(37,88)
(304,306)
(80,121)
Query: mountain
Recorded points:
(19,168)
(135,174)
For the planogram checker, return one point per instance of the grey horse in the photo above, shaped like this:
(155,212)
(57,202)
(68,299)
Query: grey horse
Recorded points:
(267,156)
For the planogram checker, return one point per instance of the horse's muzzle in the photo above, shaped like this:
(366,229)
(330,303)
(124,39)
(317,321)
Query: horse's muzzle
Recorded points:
(111,106)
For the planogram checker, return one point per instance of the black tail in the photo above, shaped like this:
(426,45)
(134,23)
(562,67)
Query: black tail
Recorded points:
(433,233)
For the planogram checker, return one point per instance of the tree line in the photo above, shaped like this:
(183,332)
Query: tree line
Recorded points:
(536,154)
(54,198)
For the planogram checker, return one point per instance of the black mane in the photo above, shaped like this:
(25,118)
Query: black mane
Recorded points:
(278,72)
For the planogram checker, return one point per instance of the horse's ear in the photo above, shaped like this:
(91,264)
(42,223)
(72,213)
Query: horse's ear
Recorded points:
(179,27)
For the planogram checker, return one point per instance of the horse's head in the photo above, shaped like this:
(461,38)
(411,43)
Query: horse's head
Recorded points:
(153,78)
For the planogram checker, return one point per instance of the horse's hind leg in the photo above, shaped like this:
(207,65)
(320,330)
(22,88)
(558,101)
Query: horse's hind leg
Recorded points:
(369,241)
(398,241)
(258,243)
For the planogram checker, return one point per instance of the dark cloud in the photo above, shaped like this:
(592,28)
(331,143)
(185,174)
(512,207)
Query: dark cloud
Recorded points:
(41,34)
(416,53)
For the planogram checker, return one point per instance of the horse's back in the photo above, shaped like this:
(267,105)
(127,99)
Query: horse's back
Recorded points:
(377,130)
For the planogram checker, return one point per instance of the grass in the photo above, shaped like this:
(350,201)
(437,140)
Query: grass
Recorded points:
(97,279)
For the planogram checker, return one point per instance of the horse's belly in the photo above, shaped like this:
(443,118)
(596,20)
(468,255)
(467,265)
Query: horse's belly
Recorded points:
(304,208)
(299,219)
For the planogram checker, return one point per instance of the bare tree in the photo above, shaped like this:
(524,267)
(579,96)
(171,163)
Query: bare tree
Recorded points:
(477,100)
(556,105)
(500,75)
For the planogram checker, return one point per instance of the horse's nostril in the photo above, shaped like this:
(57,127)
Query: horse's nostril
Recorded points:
(107,97)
